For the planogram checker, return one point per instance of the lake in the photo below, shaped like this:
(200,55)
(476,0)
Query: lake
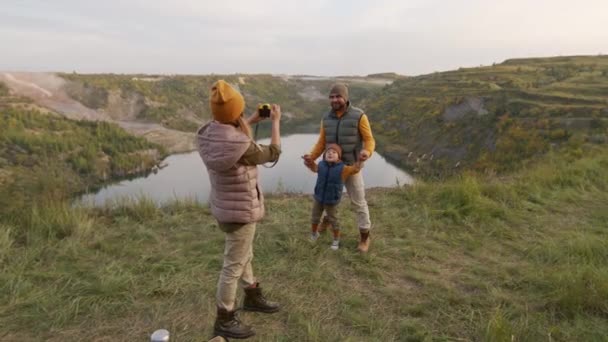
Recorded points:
(186,176)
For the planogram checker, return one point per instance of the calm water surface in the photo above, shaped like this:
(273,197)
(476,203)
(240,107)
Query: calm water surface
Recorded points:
(186,176)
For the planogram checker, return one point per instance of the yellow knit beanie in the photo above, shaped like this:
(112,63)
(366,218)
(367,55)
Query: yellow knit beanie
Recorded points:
(226,103)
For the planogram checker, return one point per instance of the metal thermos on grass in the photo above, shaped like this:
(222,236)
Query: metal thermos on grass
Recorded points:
(160,335)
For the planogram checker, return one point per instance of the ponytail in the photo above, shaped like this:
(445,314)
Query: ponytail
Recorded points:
(242,124)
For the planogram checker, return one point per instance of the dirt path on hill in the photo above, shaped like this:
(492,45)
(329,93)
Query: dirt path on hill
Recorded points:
(48,90)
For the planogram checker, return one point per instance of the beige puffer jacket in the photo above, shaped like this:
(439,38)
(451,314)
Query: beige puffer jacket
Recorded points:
(236,196)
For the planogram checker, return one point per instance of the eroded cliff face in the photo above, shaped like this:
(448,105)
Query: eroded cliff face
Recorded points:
(79,101)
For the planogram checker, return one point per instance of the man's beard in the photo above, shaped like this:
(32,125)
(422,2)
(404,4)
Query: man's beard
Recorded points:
(338,106)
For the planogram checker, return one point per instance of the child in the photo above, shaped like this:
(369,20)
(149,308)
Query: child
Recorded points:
(332,173)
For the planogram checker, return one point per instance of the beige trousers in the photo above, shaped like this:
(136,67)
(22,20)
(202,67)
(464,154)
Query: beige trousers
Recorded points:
(238,254)
(356,191)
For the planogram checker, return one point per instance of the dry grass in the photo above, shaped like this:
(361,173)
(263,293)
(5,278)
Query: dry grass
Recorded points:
(471,259)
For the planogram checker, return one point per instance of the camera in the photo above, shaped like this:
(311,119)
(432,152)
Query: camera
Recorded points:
(264,110)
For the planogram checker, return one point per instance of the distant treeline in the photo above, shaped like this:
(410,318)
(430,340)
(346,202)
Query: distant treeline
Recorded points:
(43,155)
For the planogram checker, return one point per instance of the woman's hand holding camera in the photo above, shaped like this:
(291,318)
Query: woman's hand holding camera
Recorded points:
(275,112)
(275,116)
(263,113)
(254,118)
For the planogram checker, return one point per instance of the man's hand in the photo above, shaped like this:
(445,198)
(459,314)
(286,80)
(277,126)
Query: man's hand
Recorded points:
(309,163)
(364,155)
(308,160)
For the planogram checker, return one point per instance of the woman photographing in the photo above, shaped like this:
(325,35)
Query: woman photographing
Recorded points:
(231,157)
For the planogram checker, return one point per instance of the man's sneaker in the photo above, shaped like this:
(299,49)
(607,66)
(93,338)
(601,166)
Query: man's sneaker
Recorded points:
(314,236)
(335,245)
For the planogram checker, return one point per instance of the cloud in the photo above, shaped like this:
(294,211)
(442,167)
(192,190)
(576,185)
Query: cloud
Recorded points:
(314,37)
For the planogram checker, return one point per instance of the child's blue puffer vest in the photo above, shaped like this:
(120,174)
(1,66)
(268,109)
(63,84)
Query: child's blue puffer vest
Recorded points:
(328,189)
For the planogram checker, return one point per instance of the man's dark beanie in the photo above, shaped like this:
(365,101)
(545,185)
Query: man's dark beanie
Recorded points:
(340,89)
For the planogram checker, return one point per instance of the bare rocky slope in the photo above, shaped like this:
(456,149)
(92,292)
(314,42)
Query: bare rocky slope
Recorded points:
(168,109)
(49,91)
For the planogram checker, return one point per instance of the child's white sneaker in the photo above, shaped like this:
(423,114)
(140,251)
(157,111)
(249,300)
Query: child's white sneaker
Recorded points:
(314,236)
(335,245)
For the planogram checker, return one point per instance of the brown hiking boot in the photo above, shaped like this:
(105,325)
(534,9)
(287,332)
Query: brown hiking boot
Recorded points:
(255,301)
(363,245)
(228,324)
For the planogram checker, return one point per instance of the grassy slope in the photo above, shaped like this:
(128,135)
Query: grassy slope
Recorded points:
(468,259)
(173,100)
(45,155)
(528,102)
(477,258)
(529,106)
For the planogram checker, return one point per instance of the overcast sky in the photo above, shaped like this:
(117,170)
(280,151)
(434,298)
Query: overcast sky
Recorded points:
(317,37)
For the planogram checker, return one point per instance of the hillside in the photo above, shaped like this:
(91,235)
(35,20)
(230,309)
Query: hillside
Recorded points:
(476,258)
(492,118)
(180,102)
(489,119)
(511,247)
(46,156)
(166,109)
(63,134)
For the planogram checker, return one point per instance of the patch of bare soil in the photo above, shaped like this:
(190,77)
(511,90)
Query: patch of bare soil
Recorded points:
(174,141)
(47,90)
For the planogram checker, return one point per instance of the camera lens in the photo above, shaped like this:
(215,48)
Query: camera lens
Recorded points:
(264,110)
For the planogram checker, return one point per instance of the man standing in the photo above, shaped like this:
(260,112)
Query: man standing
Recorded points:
(348,127)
